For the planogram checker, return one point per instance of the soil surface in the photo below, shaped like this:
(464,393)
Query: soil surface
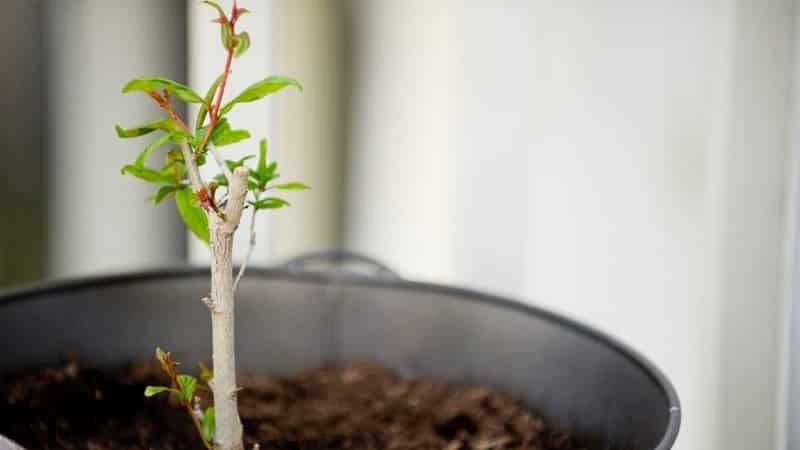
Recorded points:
(358,406)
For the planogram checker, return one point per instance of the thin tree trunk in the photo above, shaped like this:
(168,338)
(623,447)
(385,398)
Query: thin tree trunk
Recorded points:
(222,308)
(229,427)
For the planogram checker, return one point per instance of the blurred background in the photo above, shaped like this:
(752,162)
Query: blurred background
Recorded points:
(632,164)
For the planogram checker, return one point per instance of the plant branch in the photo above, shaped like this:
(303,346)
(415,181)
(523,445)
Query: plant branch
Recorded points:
(174,115)
(221,163)
(228,61)
(250,248)
(189,409)
(191,167)
(214,107)
(166,104)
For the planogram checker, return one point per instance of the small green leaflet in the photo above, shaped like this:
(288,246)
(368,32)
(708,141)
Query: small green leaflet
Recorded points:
(163,192)
(221,127)
(209,424)
(147,174)
(193,216)
(262,158)
(150,391)
(219,9)
(292,186)
(151,84)
(203,112)
(242,44)
(187,384)
(206,374)
(229,137)
(226,35)
(269,203)
(180,135)
(220,179)
(160,124)
(150,149)
(223,134)
(234,164)
(260,90)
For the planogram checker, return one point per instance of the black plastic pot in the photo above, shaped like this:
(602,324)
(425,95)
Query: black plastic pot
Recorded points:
(293,317)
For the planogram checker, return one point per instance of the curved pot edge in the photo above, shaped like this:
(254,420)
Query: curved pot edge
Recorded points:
(668,439)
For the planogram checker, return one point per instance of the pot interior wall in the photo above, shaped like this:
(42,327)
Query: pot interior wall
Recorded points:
(287,323)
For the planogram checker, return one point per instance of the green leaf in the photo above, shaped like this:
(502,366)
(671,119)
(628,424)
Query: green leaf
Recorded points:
(179,135)
(209,424)
(193,216)
(292,186)
(220,179)
(261,169)
(234,164)
(253,185)
(216,6)
(260,90)
(150,391)
(222,126)
(226,35)
(147,174)
(242,44)
(175,169)
(269,173)
(187,384)
(150,149)
(165,124)
(229,137)
(203,112)
(164,192)
(206,374)
(269,203)
(150,84)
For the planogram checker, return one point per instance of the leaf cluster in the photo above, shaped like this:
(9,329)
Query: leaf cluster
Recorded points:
(184,388)
(211,128)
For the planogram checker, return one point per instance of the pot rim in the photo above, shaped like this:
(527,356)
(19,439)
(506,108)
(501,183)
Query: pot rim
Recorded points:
(21,293)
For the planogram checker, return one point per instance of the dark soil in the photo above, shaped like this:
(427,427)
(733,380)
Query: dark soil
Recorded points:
(358,406)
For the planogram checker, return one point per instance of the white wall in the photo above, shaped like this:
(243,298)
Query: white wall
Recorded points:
(99,220)
(620,161)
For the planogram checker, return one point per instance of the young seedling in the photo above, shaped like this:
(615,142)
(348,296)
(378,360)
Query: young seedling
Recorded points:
(212,210)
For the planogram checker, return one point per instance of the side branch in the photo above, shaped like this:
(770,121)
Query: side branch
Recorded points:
(191,166)
(237,194)
(221,163)
(250,248)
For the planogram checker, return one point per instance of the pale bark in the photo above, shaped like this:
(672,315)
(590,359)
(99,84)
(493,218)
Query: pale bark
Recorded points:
(221,304)
(222,307)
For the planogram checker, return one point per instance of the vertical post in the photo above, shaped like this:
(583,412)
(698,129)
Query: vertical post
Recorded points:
(100,220)
(22,231)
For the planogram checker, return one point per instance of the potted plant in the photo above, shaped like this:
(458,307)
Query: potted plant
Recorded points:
(212,210)
(292,318)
